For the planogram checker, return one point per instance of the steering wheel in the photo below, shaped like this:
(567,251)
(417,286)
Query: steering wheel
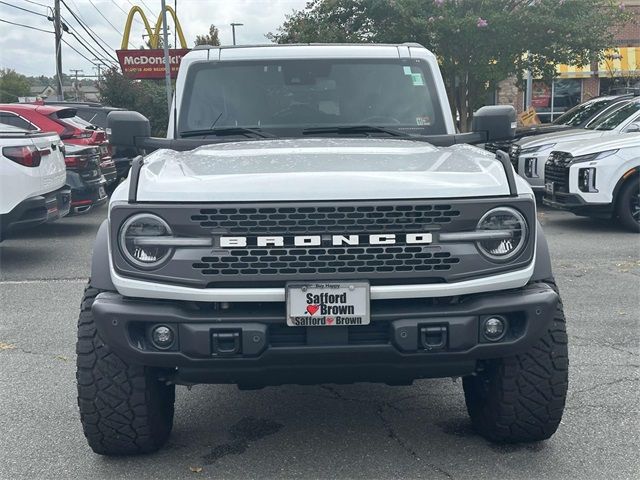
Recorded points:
(379,119)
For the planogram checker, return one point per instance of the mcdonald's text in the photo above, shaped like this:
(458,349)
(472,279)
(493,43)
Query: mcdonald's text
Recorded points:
(149,64)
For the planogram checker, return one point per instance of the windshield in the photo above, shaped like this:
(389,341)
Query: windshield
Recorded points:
(581,113)
(291,95)
(615,118)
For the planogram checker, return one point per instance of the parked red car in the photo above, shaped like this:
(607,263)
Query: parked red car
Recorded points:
(63,121)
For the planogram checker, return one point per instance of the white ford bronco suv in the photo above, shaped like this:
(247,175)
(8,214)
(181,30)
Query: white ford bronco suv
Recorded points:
(314,217)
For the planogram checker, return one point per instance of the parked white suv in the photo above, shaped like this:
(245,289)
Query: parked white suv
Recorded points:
(314,217)
(530,154)
(32,179)
(597,178)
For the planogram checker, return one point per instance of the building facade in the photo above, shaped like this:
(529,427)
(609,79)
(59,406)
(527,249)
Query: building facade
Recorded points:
(619,72)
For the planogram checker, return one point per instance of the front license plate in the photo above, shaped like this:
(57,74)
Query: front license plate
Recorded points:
(102,193)
(327,304)
(549,187)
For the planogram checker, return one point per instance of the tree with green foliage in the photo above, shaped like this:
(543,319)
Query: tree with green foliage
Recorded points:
(13,85)
(211,38)
(145,96)
(478,42)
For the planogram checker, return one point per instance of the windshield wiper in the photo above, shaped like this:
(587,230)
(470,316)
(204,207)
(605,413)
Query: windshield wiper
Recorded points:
(223,131)
(347,129)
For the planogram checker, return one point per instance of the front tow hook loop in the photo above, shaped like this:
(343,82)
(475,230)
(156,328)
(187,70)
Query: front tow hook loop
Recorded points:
(433,338)
(225,343)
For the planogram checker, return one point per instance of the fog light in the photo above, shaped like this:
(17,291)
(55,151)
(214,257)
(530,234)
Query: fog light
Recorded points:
(494,328)
(162,337)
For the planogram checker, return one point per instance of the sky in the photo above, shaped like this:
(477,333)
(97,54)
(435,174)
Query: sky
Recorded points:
(32,52)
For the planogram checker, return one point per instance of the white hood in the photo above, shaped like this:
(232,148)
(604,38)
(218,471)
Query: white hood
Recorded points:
(561,137)
(320,169)
(609,142)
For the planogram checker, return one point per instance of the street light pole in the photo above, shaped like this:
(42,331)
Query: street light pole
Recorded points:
(233,30)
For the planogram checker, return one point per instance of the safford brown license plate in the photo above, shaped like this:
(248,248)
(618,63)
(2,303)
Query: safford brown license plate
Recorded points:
(328,304)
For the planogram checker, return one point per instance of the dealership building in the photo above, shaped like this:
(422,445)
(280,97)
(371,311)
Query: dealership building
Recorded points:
(618,72)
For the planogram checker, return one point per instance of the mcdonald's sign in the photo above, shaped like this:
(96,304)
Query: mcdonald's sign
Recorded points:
(149,63)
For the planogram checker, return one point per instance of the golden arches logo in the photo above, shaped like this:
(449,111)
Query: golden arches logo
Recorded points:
(154,35)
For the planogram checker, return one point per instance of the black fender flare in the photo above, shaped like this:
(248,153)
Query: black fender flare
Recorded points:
(100,269)
(542,269)
(632,173)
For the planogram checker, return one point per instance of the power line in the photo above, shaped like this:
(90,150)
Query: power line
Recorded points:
(24,9)
(86,47)
(126,13)
(75,50)
(26,26)
(146,6)
(74,33)
(84,25)
(87,30)
(36,3)
(97,40)
(105,18)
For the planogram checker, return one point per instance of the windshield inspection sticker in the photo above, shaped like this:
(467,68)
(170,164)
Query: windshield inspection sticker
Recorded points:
(407,70)
(417,79)
(424,120)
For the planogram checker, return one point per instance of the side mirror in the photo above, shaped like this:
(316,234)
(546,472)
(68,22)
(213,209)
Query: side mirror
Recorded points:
(127,128)
(633,128)
(497,122)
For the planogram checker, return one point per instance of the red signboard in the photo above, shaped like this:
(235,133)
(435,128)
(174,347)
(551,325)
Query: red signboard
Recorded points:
(149,64)
(541,97)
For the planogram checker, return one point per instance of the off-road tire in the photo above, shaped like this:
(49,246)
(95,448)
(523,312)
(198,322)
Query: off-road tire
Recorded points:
(627,201)
(124,408)
(521,398)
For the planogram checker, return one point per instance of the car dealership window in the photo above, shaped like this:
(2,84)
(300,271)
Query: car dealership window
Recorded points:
(552,99)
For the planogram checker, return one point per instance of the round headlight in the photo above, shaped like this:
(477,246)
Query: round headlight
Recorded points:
(137,240)
(511,229)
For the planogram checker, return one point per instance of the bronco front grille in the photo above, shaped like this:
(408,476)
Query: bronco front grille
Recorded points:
(273,266)
(297,261)
(325,219)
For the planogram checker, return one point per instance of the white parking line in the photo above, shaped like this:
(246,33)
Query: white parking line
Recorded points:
(46,280)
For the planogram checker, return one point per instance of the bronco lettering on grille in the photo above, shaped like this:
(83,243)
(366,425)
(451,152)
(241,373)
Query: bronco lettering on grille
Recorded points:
(319,240)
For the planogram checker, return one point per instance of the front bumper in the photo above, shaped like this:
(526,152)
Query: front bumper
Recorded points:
(574,203)
(249,344)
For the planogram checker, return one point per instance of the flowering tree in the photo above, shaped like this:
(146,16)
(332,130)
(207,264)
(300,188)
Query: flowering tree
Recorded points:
(478,42)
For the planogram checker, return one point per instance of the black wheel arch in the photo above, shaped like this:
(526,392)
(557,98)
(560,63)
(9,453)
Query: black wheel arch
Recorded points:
(633,174)
(100,271)
(542,269)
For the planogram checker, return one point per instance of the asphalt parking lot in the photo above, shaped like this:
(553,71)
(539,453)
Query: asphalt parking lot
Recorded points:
(328,431)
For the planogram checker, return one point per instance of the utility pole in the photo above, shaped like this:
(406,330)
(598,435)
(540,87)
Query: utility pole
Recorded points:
(75,85)
(98,68)
(58,32)
(167,65)
(233,30)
